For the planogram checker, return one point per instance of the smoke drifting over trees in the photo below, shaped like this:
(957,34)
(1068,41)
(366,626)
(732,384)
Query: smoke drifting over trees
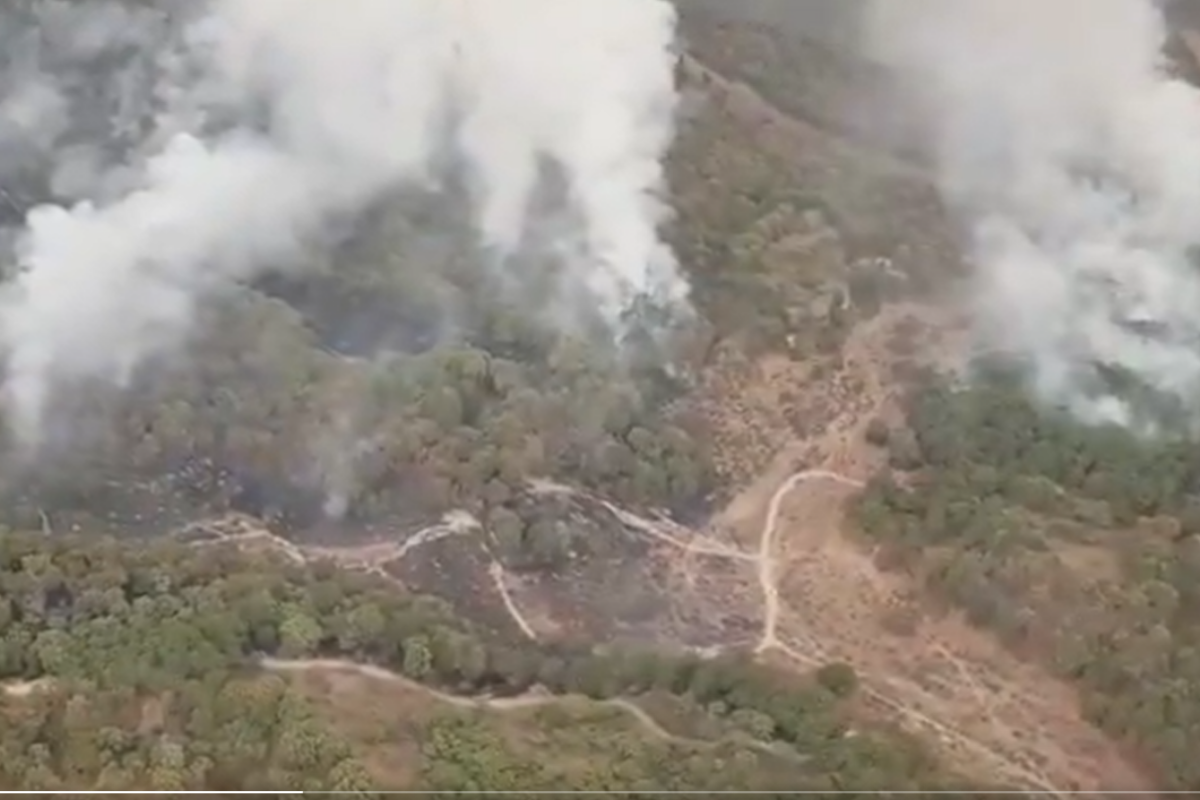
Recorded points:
(166,154)
(1074,156)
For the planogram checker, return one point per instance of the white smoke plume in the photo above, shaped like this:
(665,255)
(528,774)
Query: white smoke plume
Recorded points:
(274,117)
(1075,158)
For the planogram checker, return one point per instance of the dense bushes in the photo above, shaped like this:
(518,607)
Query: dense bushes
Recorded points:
(1001,491)
(151,651)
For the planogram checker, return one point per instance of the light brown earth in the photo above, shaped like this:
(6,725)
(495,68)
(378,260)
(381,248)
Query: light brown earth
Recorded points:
(827,600)
(781,558)
(818,597)
(779,566)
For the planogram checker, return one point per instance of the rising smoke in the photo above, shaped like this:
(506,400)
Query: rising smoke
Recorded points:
(1075,159)
(227,138)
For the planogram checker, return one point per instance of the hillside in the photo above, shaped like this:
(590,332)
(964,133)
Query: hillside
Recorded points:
(386,529)
(202,667)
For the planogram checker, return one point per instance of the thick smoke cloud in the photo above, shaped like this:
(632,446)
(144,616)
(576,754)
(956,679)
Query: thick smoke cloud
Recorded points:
(1075,158)
(225,139)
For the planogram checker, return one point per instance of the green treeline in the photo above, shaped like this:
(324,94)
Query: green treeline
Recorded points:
(152,650)
(1078,542)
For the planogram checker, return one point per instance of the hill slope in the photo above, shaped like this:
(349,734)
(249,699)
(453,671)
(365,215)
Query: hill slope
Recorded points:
(363,545)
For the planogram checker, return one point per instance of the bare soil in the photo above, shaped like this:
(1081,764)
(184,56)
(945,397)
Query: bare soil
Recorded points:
(777,570)
(801,591)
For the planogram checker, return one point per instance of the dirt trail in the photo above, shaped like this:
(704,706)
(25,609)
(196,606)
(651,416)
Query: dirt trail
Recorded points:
(766,555)
(825,600)
(816,653)
(372,558)
(764,558)
(821,648)
(804,561)
(497,574)
(992,715)
(816,650)
(531,699)
(25,688)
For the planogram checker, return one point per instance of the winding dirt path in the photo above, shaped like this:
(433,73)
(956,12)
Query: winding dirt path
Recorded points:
(815,654)
(823,600)
(531,699)
(496,572)
(766,563)
(25,688)
(766,559)
(372,557)
(886,690)
(812,653)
